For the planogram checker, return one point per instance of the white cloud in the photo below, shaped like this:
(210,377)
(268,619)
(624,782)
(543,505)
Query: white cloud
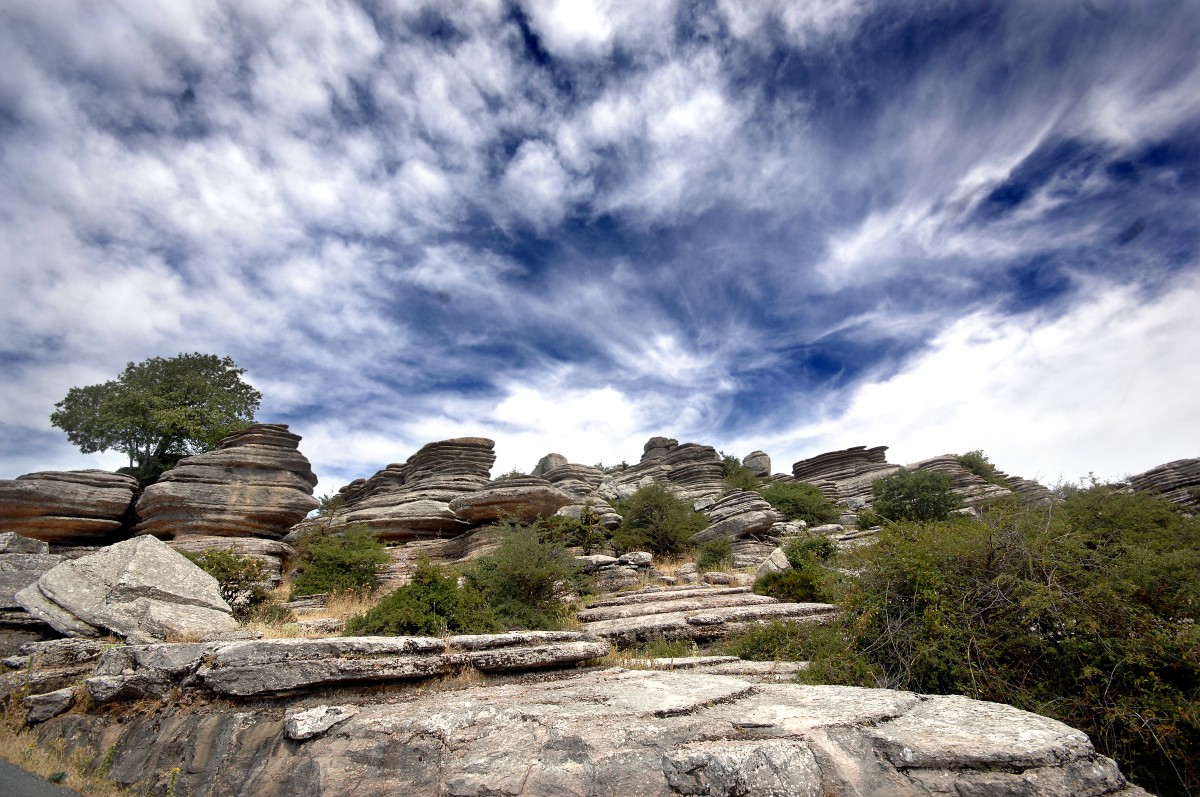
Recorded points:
(590,28)
(1102,389)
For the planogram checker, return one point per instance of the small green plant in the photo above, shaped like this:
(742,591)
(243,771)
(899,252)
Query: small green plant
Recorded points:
(777,641)
(433,603)
(657,521)
(515,473)
(240,578)
(977,462)
(716,555)
(525,581)
(737,476)
(583,532)
(337,561)
(808,579)
(918,495)
(801,501)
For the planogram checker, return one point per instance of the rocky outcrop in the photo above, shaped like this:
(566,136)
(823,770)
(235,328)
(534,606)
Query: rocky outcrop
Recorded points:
(523,498)
(139,589)
(612,573)
(22,562)
(846,476)
(738,514)
(68,507)
(1178,482)
(758,463)
(270,554)
(286,666)
(548,463)
(601,732)
(691,471)
(256,483)
(972,490)
(695,613)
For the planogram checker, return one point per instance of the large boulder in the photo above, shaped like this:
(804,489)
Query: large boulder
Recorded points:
(67,507)
(758,463)
(140,589)
(1178,482)
(255,484)
(525,498)
(741,513)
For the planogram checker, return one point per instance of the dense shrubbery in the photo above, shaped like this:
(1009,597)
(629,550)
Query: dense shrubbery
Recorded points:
(801,501)
(919,495)
(338,561)
(808,580)
(657,521)
(240,578)
(1084,611)
(716,555)
(978,463)
(522,585)
(737,476)
(584,532)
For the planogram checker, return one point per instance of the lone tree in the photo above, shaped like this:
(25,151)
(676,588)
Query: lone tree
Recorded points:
(159,411)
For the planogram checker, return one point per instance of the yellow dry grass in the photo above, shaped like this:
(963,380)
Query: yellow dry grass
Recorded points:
(75,770)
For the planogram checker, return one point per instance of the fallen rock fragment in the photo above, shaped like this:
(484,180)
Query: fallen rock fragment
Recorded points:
(316,721)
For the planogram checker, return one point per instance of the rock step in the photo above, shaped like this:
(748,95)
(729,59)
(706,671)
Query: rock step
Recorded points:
(284,666)
(675,604)
(726,665)
(705,624)
(648,594)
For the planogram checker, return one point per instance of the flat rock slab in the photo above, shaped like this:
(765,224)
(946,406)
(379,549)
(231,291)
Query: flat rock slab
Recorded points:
(606,732)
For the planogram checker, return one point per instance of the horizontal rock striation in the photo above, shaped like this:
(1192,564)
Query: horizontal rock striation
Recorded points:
(1178,482)
(973,490)
(602,732)
(270,554)
(693,613)
(846,476)
(738,514)
(523,499)
(71,507)
(255,484)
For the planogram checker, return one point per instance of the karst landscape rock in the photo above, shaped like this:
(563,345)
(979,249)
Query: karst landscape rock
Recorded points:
(191,703)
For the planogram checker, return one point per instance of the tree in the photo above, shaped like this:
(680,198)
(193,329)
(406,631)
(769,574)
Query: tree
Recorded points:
(657,521)
(159,411)
(920,495)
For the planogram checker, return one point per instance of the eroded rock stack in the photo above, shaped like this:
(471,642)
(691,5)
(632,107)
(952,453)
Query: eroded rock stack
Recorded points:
(255,484)
(524,499)
(690,470)
(1178,482)
(758,463)
(846,476)
(738,514)
(74,507)
(973,490)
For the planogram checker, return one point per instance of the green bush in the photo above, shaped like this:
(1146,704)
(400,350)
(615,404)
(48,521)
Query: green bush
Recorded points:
(808,580)
(809,551)
(801,501)
(1085,611)
(337,561)
(526,581)
(776,641)
(868,518)
(433,603)
(737,476)
(716,555)
(657,521)
(920,495)
(240,578)
(585,532)
(977,462)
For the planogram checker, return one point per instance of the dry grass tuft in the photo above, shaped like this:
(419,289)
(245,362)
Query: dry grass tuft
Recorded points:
(76,770)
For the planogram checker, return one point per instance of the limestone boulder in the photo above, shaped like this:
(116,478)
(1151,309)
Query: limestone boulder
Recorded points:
(525,498)
(1178,482)
(548,463)
(255,484)
(67,507)
(140,589)
(741,513)
(758,463)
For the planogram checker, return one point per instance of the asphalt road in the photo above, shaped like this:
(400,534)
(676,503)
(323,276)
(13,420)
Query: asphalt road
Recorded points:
(16,782)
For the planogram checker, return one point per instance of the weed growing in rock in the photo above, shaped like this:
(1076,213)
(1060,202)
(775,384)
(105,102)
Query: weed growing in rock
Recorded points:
(716,555)
(977,462)
(808,580)
(801,501)
(737,476)
(240,578)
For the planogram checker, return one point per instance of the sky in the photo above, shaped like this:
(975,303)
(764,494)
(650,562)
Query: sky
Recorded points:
(569,225)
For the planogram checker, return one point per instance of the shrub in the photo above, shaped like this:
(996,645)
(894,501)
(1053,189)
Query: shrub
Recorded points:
(737,476)
(240,578)
(977,462)
(526,580)
(584,532)
(808,579)
(1085,611)
(868,518)
(801,501)
(809,551)
(432,604)
(920,495)
(777,641)
(338,561)
(515,473)
(657,521)
(716,555)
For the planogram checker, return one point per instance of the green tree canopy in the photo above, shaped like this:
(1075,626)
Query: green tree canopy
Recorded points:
(159,410)
(915,495)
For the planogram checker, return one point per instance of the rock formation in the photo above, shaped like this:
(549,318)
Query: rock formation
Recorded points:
(758,463)
(972,490)
(524,499)
(139,589)
(1178,482)
(22,562)
(846,476)
(600,732)
(740,513)
(74,507)
(256,483)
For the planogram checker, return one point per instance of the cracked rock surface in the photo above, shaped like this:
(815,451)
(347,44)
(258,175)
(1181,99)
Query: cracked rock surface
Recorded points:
(607,732)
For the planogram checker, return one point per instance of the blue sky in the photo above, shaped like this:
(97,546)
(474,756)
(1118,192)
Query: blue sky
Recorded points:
(572,225)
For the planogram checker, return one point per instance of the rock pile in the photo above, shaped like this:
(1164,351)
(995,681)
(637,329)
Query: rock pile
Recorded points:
(612,573)
(74,507)
(604,731)
(694,613)
(256,483)
(140,589)
(1178,482)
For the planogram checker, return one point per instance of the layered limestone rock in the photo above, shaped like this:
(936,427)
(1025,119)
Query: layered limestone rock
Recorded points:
(691,471)
(548,463)
(1178,482)
(738,514)
(270,554)
(846,476)
(694,613)
(22,562)
(971,489)
(758,463)
(139,589)
(74,507)
(600,732)
(255,484)
(524,499)
(411,500)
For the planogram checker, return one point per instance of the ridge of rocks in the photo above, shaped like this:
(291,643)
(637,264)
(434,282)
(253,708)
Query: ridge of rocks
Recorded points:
(73,507)
(1177,481)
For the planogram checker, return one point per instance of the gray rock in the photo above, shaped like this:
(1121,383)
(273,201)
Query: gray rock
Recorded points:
(316,721)
(140,589)
(777,562)
(11,542)
(548,463)
(611,732)
(1176,481)
(39,708)
(270,554)
(758,463)
(636,559)
(19,570)
(255,484)
(72,507)
(594,562)
(524,499)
